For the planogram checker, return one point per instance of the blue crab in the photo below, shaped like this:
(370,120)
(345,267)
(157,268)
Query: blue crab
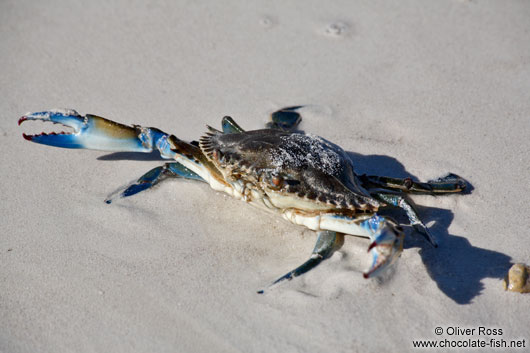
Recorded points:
(304,178)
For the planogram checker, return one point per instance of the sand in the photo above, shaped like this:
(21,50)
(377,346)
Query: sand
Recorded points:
(409,88)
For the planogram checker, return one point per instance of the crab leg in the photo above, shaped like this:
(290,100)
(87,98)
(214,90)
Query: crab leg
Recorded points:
(451,183)
(385,235)
(97,133)
(91,132)
(153,177)
(412,214)
(327,243)
(230,126)
(286,118)
(387,243)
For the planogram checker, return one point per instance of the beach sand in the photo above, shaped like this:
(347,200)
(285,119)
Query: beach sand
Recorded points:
(415,88)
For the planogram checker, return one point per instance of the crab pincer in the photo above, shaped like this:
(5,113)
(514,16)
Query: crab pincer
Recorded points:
(89,131)
(386,246)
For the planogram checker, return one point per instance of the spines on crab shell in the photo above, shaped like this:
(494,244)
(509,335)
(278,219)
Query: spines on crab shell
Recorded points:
(215,152)
(225,161)
(332,191)
(207,148)
(336,201)
(205,144)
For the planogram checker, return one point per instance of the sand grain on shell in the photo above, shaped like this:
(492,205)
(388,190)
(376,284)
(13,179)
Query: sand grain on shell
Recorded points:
(297,150)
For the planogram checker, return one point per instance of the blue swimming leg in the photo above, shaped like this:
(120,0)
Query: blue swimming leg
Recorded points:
(153,177)
(327,243)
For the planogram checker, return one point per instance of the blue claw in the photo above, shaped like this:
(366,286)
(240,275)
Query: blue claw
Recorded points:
(386,246)
(90,132)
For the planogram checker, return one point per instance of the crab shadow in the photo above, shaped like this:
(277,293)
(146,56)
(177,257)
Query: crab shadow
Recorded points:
(456,266)
(131,156)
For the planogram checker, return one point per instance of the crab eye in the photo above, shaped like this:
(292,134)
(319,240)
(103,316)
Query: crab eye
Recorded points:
(277,180)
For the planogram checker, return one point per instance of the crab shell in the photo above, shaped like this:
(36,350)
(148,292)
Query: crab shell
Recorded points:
(284,170)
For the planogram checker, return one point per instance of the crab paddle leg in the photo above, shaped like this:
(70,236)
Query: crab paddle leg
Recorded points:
(153,177)
(327,243)
(286,118)
(449,184)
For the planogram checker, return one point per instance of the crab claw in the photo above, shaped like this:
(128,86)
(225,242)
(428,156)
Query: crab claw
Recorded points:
(386,246)
(90,132)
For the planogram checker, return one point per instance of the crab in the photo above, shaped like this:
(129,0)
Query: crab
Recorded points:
(306,179)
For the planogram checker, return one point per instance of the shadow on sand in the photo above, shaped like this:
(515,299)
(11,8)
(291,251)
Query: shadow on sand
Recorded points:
(456,266)
(132,156)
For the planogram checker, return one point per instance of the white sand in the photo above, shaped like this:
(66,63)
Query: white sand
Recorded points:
(414,87)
